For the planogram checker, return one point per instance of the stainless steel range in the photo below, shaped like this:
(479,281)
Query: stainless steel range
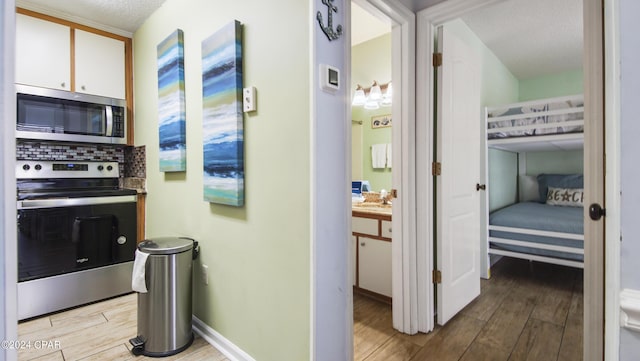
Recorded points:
(76,235)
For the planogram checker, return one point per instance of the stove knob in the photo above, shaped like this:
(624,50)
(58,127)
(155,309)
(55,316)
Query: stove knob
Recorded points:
(38,167)
(25,167)
(100,168)
(109,168)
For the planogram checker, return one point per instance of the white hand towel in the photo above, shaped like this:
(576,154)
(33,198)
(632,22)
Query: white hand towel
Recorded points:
(378,155)
(138,283)
(389,148)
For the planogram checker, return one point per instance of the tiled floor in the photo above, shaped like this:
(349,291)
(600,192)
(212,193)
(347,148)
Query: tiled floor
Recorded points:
(100,331)
(527,311)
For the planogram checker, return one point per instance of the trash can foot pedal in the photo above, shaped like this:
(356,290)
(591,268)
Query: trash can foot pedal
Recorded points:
(138,345)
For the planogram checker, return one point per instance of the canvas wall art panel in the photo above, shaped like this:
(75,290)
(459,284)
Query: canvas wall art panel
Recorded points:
(223,134)
(171,105)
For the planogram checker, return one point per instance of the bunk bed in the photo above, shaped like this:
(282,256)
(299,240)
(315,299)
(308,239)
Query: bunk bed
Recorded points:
(546,224)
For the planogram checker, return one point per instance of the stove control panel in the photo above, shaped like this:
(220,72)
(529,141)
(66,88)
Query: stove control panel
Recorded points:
(38,169)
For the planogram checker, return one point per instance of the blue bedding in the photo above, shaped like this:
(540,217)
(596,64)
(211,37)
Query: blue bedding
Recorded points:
(539,216)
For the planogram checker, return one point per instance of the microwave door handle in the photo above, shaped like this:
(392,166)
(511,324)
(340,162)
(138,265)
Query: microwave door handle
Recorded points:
(109,119)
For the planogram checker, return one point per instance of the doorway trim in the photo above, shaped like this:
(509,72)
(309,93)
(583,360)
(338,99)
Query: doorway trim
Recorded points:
(403,258)
(427,20)
(612,179)
(9,274)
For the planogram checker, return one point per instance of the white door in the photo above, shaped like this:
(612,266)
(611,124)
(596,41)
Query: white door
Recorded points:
(458,151)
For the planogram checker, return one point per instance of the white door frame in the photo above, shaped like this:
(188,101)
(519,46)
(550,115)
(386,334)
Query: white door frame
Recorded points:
(612,180)
(8,318)
(427,20)
(404,260)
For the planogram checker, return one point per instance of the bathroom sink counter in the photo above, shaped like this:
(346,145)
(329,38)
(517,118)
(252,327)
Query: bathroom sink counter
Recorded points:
(366,208)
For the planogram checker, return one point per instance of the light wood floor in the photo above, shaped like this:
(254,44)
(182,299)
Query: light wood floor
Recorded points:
(100,331)
(526,311)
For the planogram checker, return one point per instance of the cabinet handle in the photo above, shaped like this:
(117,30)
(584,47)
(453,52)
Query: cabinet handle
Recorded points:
(362,244)
(63,84)
(83,87)
(389,230)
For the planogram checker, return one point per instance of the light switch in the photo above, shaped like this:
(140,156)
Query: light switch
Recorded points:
(249,99)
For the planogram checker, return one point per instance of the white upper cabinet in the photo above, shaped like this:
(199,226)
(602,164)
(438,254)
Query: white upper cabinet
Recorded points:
(43,58)
(43,53)
(99,65)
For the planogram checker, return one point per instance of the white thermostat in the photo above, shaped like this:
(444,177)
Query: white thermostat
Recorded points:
(329,78)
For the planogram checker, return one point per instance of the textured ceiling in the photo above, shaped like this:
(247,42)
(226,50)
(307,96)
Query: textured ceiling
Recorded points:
(123,15)
(532,38)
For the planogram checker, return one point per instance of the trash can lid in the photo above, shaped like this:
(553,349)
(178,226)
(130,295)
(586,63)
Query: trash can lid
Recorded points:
(166,245)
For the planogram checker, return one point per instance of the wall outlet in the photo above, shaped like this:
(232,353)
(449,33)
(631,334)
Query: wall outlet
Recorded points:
(205,274)
(249,99)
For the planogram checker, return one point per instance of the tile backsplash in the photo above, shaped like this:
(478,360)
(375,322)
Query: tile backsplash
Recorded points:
(135,162)
(35,150)
(28,150)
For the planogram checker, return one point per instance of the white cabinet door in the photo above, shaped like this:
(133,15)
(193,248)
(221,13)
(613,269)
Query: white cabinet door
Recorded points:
(354,259)
(364,225)
(99,65)
(43,53)
(375,265)
(386,229)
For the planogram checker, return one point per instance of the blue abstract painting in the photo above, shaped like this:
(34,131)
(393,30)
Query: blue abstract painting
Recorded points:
(223,134)
(171,106)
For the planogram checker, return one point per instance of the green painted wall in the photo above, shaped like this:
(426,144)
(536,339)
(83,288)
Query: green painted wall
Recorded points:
(258,255)
(564,162)
(554,85)
(371,61)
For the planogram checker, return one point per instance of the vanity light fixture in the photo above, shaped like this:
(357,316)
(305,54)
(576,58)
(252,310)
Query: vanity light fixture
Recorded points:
(373,97)
(359,98)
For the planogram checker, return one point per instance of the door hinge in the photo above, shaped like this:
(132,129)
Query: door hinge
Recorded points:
(437,60)
(436,168)
(436,276)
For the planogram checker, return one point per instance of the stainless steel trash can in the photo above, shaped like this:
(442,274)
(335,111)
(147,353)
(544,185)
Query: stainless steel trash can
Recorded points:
(164,311)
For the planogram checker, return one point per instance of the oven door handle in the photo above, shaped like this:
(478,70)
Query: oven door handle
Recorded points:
(70,202)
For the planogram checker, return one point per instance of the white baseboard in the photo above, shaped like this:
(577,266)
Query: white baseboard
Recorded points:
(230,350)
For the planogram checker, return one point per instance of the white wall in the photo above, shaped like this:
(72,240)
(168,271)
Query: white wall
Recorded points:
(630,169)
(331,212)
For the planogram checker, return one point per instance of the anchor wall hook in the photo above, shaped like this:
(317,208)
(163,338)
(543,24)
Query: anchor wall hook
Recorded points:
(328,30)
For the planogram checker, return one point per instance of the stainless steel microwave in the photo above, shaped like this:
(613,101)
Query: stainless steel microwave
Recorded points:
(57,115)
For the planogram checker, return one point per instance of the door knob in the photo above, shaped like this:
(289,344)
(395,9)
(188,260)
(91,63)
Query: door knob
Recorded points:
(596,212)
(481,186)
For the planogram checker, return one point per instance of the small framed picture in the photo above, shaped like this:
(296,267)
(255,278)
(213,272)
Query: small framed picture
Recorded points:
(381,121)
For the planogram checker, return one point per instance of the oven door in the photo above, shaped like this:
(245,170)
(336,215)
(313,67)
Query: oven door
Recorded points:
(58,236)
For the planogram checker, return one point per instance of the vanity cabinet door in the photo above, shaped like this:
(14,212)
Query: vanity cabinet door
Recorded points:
(354,260)
(386,229)
(364,226)
(374,265)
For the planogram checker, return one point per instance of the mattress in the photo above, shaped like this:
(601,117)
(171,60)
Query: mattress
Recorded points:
(539,216)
